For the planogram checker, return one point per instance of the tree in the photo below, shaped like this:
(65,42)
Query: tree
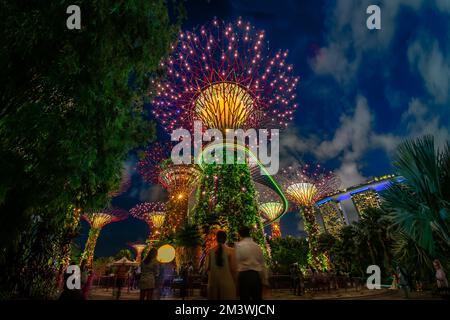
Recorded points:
(71,109)
(226,199)
(188,242)
(289,250)
(420,204)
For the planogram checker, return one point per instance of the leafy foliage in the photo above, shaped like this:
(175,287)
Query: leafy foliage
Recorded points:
(188,236)
(287,251)
(70,111)
(227,198)
(419,207)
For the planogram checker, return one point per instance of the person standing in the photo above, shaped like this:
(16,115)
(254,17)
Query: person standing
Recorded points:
(149,275)
(221,267)
(441,278)
(121,278)
(252,272)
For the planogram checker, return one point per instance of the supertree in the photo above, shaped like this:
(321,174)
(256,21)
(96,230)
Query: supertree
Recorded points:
(178,179)
(97,219)
(152,160)
(138,248)
(305,185)
(225,75)
(153,213)
(271,208)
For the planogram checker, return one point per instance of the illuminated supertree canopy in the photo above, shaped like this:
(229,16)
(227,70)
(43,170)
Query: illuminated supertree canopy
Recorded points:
(271,208)
(138,248)
(225,75)
(304,185)
(152,160)
(179,180)
(102,217)
(153,213)
(156,167)
(97,219)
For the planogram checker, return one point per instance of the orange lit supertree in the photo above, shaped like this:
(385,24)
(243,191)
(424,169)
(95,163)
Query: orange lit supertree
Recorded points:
(271,208)
(304,185)
(152,213)
(97,219)
(138,248)
(178,179)
(225,75)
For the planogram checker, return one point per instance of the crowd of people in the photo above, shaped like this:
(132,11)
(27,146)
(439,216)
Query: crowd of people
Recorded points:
(237,272)
(232,272)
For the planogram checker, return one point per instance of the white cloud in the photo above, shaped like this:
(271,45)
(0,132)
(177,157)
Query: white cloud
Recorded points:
(348,36)
(349,174)
(350,142)
(421,121)
(443,5)
(347,42)
(433,66)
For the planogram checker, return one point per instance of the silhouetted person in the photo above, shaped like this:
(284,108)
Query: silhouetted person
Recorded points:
(149,275)
(121,278)
(221,267)
(251,267)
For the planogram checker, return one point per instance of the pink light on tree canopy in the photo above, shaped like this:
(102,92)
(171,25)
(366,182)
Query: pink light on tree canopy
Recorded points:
(225,75)
(306,184)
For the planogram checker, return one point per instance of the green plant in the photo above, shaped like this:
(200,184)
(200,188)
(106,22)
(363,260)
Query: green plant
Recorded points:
(71,109)
(419,205)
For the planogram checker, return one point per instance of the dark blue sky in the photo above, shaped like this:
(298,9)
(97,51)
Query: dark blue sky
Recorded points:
(361,91)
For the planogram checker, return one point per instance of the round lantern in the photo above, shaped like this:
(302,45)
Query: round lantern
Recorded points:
(166,253)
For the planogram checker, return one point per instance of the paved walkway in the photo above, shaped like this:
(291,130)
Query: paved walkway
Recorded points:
(350,294)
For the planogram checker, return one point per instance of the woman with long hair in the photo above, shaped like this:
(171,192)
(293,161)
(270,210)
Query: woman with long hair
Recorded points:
(221,267)
(149,275)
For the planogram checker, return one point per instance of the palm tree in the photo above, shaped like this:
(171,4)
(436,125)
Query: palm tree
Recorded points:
(419,205)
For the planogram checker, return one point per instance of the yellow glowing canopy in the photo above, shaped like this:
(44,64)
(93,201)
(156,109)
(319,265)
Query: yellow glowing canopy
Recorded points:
(157,219)
(271,209)
(224,106)
(302,193)
(99,219)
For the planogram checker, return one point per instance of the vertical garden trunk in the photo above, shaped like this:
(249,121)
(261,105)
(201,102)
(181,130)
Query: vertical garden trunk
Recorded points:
(88,255)
(176,213)
(316,259)
(227,199)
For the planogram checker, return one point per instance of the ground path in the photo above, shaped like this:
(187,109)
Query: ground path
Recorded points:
(350,294)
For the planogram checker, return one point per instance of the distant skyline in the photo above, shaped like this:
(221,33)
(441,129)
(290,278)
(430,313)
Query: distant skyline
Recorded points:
(360,93)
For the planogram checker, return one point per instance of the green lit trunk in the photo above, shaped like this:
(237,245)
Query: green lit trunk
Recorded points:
(226,199)
(87,257)
(316,259)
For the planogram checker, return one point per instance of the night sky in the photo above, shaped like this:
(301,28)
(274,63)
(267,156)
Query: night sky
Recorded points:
(361,91)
